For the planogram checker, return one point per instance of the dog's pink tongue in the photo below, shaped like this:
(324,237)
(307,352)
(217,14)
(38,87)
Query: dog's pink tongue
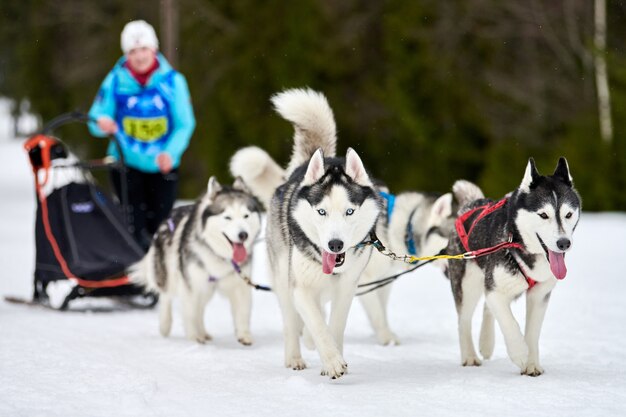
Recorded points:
(328,262)
(557,264)
(239,253)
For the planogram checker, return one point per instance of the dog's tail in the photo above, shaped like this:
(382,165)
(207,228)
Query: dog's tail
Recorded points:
(313,122)
(258,171)
(465,192)
(142,272)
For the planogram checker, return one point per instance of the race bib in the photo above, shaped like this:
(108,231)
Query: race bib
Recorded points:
(145,129)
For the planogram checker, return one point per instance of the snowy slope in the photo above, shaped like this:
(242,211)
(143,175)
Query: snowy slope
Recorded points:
(116,364)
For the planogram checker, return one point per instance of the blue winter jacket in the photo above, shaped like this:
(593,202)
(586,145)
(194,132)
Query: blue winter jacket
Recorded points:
(151,119)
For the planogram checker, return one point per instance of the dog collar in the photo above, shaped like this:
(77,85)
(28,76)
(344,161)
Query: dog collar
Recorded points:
(236,267)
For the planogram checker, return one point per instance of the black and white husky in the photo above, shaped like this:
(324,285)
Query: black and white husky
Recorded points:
(316,220)
(200,248)
(411,223)
(537,220)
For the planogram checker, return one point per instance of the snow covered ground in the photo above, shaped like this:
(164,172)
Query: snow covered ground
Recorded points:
(117,364)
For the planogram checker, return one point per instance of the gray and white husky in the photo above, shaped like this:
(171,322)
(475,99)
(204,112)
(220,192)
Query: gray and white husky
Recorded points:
(316,220)
(200,248)
(540,216)
(414,223)
(411,223)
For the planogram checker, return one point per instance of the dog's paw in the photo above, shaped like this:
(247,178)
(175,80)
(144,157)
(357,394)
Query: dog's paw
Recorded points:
(245,340)
(335,368)
(388,338)
(486,345)
(165,330)
(486,352)
(201,337)
(519,355)
(532,369)
(297,364)
(471,361)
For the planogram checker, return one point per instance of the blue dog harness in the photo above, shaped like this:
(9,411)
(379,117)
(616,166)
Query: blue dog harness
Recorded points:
(391,202)
(408,237)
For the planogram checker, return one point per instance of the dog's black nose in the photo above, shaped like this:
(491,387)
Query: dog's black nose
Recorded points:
(243,236)
(563,243)
(335,245)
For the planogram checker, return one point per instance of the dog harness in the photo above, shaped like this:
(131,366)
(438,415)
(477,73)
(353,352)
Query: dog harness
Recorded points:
(171,225)
(391,202)
(236,268)
(464,234)
(408,236)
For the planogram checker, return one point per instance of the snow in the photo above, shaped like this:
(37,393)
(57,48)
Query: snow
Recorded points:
(115,363)
(23,123)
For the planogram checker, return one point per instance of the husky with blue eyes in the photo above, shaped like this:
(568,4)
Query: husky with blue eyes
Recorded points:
(317,220)
(201,248)
(535,225)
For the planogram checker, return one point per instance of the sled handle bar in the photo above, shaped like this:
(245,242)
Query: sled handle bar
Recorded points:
(63,119)
(76,116)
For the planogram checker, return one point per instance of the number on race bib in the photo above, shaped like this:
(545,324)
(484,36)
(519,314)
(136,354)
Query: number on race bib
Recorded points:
(145,129)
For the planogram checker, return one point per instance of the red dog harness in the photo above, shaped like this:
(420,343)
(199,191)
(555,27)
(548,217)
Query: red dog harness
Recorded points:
(464,234)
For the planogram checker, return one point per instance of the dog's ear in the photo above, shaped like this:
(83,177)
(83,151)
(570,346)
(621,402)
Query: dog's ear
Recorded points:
(356,170)
(213,188)
(531,175)
(465,192)
(315,170)
(240,185)
(562,172)
(442,207)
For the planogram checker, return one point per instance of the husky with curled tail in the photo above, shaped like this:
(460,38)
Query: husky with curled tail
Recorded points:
(317,219)
(536,223)
(201,248)
(411,222)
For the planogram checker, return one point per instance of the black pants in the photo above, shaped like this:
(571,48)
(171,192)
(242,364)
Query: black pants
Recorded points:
(150,199)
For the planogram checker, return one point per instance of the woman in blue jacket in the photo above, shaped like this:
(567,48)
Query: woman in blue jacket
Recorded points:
(147,102)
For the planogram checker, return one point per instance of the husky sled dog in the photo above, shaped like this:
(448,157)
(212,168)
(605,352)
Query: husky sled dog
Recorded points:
(316,220)
(538,219)
(412,222)
(199,249)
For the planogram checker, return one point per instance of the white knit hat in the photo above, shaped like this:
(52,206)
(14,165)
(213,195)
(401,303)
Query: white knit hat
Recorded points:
(137,34)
